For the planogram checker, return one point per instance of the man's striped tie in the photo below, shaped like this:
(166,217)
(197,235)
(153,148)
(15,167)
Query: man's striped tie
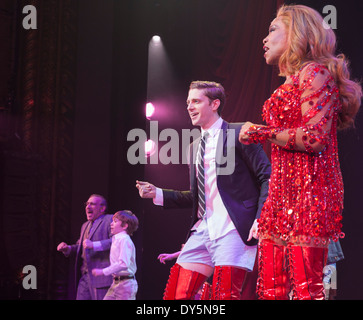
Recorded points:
(200,176)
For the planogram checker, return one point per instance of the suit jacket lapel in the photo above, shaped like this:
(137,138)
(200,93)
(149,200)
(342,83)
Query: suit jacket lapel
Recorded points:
(84,230)
(94,227)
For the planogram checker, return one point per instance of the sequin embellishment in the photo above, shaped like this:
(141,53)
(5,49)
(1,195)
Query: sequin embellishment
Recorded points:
(306,189)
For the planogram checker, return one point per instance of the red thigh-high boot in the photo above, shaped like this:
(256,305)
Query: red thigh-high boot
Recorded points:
(183,284)
(272,282)
(227,283)
(306,266)
(206,291)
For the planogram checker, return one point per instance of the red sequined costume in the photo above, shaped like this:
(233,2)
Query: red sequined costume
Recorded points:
(304,206)
(305,198)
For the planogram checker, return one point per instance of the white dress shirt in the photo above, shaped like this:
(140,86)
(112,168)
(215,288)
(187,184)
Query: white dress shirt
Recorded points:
(122,256)
(216,218)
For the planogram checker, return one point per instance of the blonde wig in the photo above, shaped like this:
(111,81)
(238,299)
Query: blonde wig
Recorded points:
(310,39)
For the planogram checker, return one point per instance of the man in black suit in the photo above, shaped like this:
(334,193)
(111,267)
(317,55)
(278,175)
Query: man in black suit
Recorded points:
(229,184)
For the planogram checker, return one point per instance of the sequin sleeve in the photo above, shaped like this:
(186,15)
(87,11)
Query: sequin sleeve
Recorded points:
(316,95)
(319,103)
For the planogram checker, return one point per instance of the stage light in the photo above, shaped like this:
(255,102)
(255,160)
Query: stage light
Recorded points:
(149,148)
(156,39)
(150,109)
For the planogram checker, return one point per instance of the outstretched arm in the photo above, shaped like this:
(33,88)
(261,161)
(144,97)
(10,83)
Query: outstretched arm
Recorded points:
(168,256)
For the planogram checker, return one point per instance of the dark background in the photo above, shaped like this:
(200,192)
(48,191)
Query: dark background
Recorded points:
(71,91)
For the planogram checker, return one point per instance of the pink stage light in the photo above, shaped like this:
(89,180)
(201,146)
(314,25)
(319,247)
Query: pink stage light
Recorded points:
(149,148)
(150,109)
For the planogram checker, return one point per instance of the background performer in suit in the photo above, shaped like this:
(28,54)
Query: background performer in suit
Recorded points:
(229,185)
(92,250)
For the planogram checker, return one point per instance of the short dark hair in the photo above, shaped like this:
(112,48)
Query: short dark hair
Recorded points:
(212,90)
(126,216)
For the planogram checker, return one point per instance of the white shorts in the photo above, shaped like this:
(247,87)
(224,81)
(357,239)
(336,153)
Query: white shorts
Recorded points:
(228,250)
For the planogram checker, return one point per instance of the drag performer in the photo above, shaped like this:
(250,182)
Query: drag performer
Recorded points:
(303,210)
(225,203)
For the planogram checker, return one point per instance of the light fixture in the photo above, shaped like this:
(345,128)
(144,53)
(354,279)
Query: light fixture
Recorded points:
(149,110)
(156,39)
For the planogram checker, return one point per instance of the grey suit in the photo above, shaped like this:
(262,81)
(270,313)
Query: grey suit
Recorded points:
(100,231)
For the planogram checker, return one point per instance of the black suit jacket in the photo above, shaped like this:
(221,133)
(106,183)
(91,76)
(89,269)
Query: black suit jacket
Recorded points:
(243,190)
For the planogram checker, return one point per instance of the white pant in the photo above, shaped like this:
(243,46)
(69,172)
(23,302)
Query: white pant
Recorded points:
(122,290)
